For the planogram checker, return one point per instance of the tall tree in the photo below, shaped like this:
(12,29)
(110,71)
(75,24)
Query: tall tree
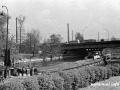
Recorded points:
(79,37)
(3,31)
(3,34)
(21,21)
(32,41)
(56,38)
(3,20)
(52,46)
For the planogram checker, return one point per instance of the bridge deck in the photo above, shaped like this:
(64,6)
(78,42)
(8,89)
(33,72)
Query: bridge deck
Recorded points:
(88,45)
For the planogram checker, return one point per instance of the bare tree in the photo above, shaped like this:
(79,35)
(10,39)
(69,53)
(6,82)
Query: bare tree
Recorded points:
(21,21)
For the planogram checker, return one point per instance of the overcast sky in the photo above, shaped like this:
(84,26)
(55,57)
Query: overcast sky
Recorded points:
(52,16)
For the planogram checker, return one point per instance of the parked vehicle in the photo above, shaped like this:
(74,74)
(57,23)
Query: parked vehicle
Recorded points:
(96,56)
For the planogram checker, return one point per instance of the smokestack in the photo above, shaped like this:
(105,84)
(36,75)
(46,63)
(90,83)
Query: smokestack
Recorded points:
(72,35)
(16,31)
(98,36)
(68,31)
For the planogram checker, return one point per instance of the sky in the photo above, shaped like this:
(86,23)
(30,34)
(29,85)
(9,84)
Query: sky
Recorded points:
(51,16)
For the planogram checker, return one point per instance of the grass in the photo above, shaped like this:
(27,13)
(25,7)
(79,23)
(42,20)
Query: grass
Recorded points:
(56,64)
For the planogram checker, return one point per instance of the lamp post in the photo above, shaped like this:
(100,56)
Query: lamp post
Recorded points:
(108,33)
(16,31)
(5,75)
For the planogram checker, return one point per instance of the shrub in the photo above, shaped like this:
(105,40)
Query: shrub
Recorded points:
(13,84)
(79,78)
(109,72)
(83,78)
(1,78)
(115,68)
(73,77)
(45,82)
(91,72)
(62,80)
(31,83)
(67,80)
(58,81)
(103,73)
(96,73)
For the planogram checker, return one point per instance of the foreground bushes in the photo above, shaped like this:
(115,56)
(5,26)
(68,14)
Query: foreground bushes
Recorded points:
(64,80)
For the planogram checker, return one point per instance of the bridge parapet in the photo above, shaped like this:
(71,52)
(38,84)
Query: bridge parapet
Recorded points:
(105,44)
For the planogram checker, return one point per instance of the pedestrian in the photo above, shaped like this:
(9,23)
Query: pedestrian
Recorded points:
(105,60)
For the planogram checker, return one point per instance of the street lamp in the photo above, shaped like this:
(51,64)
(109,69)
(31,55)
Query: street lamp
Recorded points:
(108,33)
(6,59)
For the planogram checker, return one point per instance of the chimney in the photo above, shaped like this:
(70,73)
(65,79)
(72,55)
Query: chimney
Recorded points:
(72,35)
(68,32)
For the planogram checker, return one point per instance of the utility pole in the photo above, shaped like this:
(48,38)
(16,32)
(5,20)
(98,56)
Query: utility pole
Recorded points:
(16,31)
(68,32)
(21,21)
(20,38)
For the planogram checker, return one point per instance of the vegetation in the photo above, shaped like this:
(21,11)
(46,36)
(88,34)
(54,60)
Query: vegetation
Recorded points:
(31,44)
(79,37)
(3,30)
(51,47)
(62,80)
(113,38)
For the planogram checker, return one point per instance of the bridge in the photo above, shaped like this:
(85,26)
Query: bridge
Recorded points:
(80,50)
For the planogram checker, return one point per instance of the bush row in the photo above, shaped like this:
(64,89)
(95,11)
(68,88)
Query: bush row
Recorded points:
(62,80)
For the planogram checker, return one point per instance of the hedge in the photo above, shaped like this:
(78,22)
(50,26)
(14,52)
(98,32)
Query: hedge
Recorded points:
(11,84)
(30,83)
(62,80)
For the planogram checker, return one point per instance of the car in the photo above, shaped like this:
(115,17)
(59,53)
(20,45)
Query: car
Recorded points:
(96,56)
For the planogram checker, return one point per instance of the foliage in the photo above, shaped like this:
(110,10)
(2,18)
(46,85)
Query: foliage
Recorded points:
(31,83)
(58,81)
(21,20)
(32,42)
(67,80)
(115,68)
(79,37)
(55,38)
(45,82)
(62,80)
(3,32)
(45,48)
(3,20)
(12,84)
(52,46)
(113,38)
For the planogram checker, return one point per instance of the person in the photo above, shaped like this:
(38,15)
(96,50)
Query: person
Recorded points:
(31,71)
(105,60)
(13,61)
